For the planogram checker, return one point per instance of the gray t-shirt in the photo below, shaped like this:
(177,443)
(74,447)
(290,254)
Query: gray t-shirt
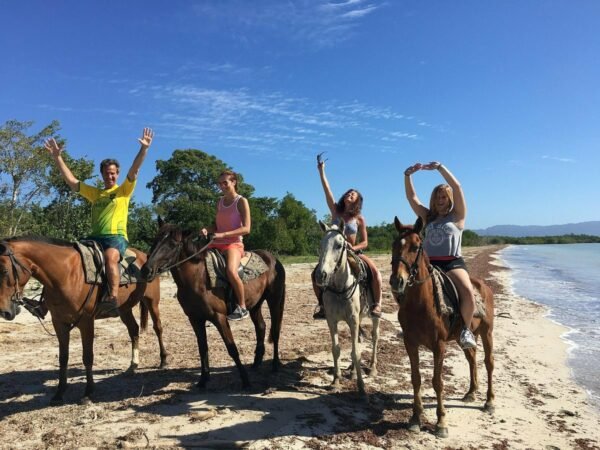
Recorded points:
(443,237)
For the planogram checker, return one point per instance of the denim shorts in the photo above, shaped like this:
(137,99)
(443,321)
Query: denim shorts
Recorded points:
(447,265)
(112,241)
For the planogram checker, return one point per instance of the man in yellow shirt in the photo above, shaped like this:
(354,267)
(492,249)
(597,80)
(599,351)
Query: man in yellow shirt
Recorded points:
(110,208)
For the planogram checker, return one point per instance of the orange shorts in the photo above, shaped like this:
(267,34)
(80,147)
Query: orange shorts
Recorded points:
(223,247)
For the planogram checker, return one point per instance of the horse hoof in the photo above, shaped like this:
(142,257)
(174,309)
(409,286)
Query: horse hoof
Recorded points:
(468,398)
(489,408)
(373,373)
(85,401)
(130,370)
(414,427)
(441,432)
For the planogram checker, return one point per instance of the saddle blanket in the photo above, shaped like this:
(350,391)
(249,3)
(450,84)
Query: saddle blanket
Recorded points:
(251,267)
(93,261)
(445,290)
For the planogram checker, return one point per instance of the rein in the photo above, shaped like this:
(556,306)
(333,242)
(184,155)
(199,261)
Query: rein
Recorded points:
(179,262)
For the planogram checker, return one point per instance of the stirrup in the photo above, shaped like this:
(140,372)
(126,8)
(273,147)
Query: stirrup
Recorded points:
(319,312)
(373,312)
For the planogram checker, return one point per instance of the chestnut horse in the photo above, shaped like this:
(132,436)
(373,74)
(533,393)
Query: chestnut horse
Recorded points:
(412,287)
(57,265)
(179,251)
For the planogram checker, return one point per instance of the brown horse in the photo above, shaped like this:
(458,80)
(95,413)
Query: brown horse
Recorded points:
(57,265)
(179,251)
(412,287)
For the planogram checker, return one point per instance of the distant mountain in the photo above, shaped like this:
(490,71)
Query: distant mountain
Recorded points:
(592,228)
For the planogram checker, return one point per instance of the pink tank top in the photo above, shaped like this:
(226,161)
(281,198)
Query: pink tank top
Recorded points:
(228,219)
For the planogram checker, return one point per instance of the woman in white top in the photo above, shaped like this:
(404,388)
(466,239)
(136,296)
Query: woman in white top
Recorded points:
(444,222)
(349,208)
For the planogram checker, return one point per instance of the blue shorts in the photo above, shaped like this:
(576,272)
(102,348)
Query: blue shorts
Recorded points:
(112,241)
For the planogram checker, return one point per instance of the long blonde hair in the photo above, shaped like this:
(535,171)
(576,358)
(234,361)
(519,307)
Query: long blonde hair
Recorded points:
(433,212)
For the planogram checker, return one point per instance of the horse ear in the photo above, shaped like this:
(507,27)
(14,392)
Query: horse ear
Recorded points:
(398,224)
(418,225)
(161,222)
(323,226)
(3,249)
(342,225)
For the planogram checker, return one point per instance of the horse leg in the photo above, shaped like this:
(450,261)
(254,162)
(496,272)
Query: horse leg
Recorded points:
(276,302)
(471,355)
(134,334)
(441,428)
(199,327)
(86,328)
(414,425)
(63,333)
(375,341)
(227,336)
(335,350)
(152,305)
(488,347)
(259,328)
(354,325)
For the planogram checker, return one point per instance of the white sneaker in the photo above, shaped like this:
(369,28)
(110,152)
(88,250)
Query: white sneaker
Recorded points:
(467,340)
(238,313)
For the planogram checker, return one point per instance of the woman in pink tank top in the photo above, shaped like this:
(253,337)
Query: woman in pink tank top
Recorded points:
(232,222)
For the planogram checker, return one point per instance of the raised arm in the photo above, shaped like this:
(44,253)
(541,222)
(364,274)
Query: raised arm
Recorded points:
(56,152)
(326,189)
(145,142)
(460,205)
(411,195)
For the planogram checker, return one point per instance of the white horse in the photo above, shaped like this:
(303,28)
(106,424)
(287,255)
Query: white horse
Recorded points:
(343,300)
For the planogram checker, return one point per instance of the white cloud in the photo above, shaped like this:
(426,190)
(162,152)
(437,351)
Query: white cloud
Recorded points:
(559,159)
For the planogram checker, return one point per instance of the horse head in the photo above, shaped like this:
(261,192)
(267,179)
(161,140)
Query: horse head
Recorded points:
(332,253)
(164,252)
(407,250)
(13,278)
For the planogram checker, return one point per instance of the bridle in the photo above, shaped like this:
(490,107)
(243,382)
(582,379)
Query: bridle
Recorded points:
(413,269)
(178,261)
(17,295)
(346,292)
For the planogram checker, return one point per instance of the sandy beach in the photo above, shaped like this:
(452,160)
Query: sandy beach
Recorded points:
(538,405)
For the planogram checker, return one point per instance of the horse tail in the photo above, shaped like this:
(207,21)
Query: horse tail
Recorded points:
(278,292)
(143,315)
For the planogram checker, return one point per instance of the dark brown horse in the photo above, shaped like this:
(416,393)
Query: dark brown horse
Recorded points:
(57,265)
(179,251)
(412,286)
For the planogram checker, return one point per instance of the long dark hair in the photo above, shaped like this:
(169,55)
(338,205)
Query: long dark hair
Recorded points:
(354,210)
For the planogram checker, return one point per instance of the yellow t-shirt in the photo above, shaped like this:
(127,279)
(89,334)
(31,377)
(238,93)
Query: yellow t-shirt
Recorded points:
(110,207)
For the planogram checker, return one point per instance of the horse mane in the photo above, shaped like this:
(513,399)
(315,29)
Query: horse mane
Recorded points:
(42,239)
(189,238)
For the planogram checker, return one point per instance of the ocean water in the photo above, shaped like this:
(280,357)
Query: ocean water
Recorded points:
(566,278)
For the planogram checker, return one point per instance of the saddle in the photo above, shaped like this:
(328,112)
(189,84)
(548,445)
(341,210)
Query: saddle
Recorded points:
(251,267)
(363,274)
(92,258)
(446,295)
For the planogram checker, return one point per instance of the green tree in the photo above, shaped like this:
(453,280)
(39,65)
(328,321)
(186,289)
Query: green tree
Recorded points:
(141,226)
(185,191)
(296,229)
(24,171)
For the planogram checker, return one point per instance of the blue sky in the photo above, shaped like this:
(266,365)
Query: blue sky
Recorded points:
(506,94)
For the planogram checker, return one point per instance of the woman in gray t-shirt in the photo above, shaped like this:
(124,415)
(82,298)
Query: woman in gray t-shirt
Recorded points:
(444,223)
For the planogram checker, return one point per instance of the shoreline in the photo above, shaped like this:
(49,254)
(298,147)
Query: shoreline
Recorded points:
(570,345)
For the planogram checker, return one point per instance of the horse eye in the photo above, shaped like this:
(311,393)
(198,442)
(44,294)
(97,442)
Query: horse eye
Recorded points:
(414,248)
